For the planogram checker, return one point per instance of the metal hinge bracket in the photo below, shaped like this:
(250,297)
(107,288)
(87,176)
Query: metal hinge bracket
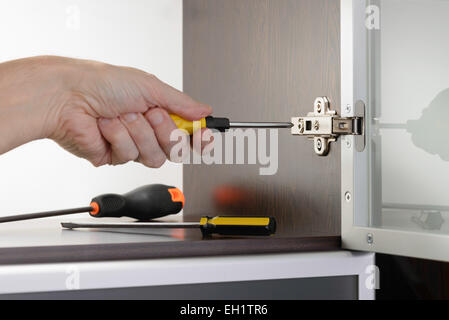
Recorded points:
(324,126)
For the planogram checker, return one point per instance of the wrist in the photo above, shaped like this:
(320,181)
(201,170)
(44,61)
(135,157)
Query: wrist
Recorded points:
(32,93)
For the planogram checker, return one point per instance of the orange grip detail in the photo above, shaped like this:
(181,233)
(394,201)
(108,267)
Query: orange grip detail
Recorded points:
(96,208)
(177,195)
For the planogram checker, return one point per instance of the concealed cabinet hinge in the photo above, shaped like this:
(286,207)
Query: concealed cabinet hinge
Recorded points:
(324,126)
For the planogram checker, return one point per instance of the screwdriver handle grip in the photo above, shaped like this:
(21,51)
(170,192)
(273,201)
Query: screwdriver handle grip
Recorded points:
(144,203)
(189,126)
(242,226)
(220,124)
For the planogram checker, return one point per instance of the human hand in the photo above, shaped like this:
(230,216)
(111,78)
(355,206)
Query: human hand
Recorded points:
(103,113)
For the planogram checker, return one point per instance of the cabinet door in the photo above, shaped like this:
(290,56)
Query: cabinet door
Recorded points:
(395,194)
(265,60)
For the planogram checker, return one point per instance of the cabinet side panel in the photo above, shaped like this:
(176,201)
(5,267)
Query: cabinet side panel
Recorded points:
(266,60)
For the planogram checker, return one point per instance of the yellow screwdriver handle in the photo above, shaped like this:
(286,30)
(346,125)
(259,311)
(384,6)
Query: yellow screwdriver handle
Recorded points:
(189,126)
(243,226)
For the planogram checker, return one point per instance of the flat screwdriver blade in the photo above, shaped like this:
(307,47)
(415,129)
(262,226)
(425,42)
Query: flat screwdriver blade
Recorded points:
(260,124)
(134,225)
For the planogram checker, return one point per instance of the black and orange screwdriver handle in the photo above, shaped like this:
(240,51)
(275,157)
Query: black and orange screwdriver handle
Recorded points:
(144,203)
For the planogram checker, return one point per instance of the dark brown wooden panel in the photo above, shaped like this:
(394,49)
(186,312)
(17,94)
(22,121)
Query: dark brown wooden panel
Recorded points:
(266,60)
(189,247)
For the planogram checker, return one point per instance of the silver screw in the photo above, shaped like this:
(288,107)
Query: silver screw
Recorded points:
(316,125)
(369,238)
(318,145)
(318,107)
(347,143)
(348,196)
(348,108)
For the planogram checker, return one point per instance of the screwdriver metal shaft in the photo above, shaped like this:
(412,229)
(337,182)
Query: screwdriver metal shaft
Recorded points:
(260,124)
(45,214)
(134,225)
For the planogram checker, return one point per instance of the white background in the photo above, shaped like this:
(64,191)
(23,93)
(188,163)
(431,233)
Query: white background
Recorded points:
(146,34)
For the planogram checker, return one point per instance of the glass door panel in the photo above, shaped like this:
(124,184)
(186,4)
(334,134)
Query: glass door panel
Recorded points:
(399,53)
(408,98)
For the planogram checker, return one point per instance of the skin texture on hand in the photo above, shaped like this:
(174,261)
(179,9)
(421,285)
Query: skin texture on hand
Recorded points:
(103,113)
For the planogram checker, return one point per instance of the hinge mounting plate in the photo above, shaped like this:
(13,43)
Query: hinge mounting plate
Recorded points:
(324,126)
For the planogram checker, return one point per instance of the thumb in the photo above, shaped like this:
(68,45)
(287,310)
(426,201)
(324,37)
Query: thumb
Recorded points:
(175,101)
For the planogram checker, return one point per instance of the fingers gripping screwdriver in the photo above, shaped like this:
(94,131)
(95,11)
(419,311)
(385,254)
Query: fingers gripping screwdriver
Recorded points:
(223,124)
(144,203)
(243,226)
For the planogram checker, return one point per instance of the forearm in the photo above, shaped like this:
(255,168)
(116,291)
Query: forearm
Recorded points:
(31,91)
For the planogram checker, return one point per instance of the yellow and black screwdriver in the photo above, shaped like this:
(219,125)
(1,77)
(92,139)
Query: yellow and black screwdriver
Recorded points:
(144,203)
(235,226)
(223,124)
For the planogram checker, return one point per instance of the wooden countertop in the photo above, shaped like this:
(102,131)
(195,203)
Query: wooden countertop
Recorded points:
(44,241)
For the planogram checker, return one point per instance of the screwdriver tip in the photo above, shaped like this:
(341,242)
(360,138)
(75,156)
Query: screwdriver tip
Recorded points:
(68,225)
